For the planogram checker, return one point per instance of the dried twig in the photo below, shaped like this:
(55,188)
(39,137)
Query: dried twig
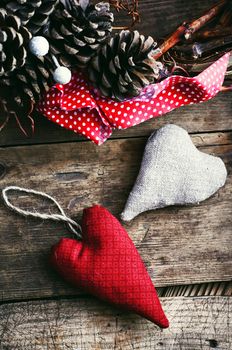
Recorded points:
(226,17)
(20,124)
(200,49)
(186,30)
(2,126)
(131,7)
(171,41)
(175,67)
(204,49)
(198,23)
(226,88)
(213,33)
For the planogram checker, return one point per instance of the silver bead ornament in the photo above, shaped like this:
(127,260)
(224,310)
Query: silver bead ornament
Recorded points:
(39,46)
(62,75)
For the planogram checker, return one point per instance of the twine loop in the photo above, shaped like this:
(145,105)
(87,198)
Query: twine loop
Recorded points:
(74,227)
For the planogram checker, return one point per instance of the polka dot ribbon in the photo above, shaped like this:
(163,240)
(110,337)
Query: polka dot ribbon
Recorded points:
(78,107)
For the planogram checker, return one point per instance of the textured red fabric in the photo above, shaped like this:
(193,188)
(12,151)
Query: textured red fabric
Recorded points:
(78,107)
(106,264)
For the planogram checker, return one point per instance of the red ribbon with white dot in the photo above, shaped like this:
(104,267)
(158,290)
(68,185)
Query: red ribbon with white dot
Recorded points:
(79,107)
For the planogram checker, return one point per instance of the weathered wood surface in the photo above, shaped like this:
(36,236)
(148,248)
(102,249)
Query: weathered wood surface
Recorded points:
(214,115)
(158,18)
(179,245)
(195,324)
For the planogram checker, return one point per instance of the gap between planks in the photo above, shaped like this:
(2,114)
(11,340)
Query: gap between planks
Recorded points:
(184,245)
(212,138)
(191,290)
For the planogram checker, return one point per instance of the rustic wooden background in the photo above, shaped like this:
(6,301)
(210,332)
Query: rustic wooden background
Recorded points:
(187,250)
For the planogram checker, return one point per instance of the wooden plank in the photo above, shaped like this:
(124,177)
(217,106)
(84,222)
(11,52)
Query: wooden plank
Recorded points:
(158,18)
(214,115)
(180,245)
(195,324)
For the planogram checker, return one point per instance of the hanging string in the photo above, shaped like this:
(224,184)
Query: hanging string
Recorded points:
(73,225)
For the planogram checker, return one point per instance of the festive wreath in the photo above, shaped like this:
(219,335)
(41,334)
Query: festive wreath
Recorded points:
(45,44)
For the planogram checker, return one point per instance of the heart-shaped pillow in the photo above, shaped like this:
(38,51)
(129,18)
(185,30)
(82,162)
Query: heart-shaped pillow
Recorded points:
(173,172)
(106,264)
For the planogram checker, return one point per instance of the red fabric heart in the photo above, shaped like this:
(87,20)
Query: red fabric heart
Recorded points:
(106,264)
(78,107)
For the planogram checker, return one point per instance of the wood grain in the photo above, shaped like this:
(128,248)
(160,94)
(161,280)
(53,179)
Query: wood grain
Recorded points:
(195,324)
(158,18)
(214,115)
(180,245)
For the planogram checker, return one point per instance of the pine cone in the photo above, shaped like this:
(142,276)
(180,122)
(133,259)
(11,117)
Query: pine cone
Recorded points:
(13,41)
(124,65)
(20,91)
(76,32)
(34,14)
